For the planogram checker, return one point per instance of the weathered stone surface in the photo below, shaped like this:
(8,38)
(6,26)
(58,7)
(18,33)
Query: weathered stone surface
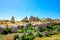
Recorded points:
(2,28)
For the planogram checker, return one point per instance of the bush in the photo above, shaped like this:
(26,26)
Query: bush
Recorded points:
(26,36)
(29,32)
(55,27)
(39,34)
(16,36)
(23,36)
(20,31)
(49,28)
(6,30)
(31,27)
(42,29)
(31,37)
(48,35)
(45,33)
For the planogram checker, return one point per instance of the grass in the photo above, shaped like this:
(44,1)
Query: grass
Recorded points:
(10,37)
(53,37)
(1,36)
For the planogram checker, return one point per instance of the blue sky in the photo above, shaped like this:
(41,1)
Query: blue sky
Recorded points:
(21,8)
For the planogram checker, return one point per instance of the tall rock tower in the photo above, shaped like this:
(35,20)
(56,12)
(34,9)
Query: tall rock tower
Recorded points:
(12,19)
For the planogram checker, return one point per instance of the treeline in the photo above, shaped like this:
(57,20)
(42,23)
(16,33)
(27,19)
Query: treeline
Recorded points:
(32,18)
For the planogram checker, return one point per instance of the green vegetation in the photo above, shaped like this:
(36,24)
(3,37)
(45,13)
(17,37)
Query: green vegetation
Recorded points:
(16,36)
(27,36)
(2,36)
(31,32)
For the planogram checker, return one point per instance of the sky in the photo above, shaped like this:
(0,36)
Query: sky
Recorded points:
(21,8)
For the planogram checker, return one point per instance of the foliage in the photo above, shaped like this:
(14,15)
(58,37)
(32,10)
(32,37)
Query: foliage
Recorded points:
(27,37)
(20,31)
(29,33)
(39,34)
(49,28)
(16,36)
(55,27)
(6,30)
(30,27)
(42,29)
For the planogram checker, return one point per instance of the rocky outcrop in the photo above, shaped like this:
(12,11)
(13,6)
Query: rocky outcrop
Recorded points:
(13,28)
(2,28)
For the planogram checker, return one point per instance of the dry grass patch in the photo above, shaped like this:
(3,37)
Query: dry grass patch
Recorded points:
(53,37)
(10,36)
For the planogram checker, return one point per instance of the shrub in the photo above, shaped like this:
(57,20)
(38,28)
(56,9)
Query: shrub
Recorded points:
(26,36)
(31,37)
(20,31)
(39,34)
(55,27)
(6,30)
(29,32)
(23,38)
(42,29)
(49,28)
(48,35)
(31,27)
(16,36)
(45,33)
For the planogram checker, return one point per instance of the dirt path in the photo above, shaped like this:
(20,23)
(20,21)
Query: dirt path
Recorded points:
(10,36)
